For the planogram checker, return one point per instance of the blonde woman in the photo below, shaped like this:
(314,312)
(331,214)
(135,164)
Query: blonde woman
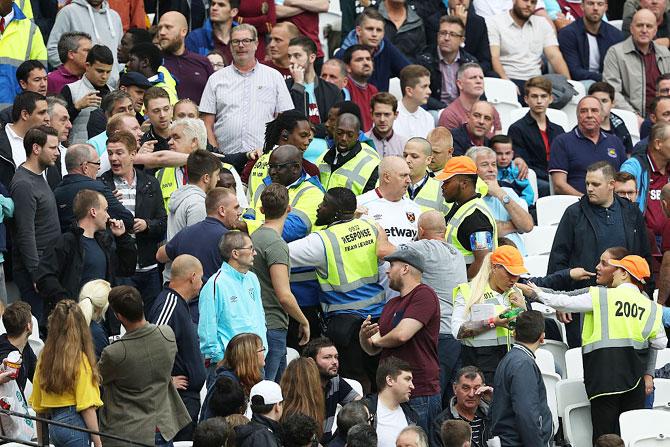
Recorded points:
(93,301)
(66,381)
(484,335)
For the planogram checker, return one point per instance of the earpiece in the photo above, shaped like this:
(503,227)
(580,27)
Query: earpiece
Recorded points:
(284,134)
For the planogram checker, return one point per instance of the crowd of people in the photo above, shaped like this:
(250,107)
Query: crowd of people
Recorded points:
(192,191)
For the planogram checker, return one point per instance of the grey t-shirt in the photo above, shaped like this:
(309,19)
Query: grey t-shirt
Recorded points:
(271,249)
(445,269)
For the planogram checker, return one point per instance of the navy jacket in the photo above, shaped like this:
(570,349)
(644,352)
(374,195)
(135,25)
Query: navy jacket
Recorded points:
(71,185)
(528,144)
(387,61)
(462,141)
(171,309)
(520,415)
(574,45)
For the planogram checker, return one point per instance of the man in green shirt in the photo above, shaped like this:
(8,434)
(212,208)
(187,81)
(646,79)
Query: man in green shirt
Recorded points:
(271,266)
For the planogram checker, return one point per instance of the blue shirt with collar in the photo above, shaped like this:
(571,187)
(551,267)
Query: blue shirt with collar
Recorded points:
(572,153)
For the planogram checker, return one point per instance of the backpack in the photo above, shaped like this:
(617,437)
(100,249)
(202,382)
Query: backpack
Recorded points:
(561,90)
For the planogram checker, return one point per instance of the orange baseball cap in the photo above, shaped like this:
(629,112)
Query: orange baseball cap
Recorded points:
(457,165)
(510,258)
(635,265)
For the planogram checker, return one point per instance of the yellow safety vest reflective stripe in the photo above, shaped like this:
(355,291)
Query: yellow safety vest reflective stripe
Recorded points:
(257,174)
(459,216)
(354,174)
(430,197)
(167,179)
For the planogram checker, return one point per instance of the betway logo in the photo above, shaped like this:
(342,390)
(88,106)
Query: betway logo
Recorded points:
(401,232)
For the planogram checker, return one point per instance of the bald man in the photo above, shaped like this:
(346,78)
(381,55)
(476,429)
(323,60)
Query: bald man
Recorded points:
(190,68)
(171,307)
(390,207)
(442,143)
(633,66)
(424,190)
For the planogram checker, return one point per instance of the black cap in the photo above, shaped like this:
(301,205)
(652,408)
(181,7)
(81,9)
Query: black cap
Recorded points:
(135,78)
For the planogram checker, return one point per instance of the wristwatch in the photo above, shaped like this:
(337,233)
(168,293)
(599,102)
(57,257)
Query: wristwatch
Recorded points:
(505,199)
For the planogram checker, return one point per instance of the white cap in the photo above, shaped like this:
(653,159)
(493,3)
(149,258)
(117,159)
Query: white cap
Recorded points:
(268,391)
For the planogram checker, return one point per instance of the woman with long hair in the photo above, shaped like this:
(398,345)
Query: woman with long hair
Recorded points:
(242,362)
(66,381)
(93,302)
(478,305)
(302,391)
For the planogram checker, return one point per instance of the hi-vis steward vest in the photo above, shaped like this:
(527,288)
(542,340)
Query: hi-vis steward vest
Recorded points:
(430,197)
(615,339)
(459,216)
(167,179)
(351,283)
(354,174)
(304,199)
(258,173)
(503,336)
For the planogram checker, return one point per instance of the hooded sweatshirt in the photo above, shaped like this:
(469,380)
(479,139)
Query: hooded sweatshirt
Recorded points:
(186,207)
(104,26)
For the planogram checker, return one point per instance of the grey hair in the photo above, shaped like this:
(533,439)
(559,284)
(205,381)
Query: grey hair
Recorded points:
(474,151)
(245,27)
(230,241)
(76,155)
(422,438)
(111,98)
(52,101)
(600,104)
(464,67)
(70,42)
(193,128)
(340,65)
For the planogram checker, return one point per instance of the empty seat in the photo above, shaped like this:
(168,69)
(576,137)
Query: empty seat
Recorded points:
(394,88)
(539,240)
(550,380)
(662,358)
(550,209)
(575,411)
(574,364)
(537,264)
(630,120)
(638,426)
(662,393)
(545,360)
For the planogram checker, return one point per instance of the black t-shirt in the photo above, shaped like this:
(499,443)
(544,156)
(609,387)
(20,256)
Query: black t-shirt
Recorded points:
(95,261)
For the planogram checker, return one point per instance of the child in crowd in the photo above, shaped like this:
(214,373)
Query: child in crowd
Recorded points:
(508,173)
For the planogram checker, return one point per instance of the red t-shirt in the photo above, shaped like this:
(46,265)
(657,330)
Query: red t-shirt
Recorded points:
(545,140)
(308,24)
(651,74)
(361,97)
(422,305)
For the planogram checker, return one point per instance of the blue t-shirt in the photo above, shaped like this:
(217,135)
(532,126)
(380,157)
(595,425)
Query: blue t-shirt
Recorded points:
(95,261)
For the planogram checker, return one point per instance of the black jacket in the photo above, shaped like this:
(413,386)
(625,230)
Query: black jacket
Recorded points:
(60,269)
(450,413)
(71,185)
(148,206)
(431,60)
(260,432)
(462,141)
(28,360)
(410,415)
(528,144)
(327,95)
(575,243)
(97,123)
(8,167)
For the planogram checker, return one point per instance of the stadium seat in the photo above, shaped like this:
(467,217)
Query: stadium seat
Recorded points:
(183,443)
(570,392)
(550,380)
(545,360)
(630,120)
(558,349)
(570,108)
(500,90)
(356,385)
(537,264)
(532,179)
(291,354)
(662,394)
(394,88)
(574,364)
(203,394)
(640,426)
(555,116)
(662,357)
(616,24)
(550,209)
(575,411)
(539,240)
(505,110)
(36,345)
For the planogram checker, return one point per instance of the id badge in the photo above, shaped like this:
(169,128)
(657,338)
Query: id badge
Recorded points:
(481,240)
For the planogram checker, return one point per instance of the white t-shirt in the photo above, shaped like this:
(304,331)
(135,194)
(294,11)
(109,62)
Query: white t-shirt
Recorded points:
(594,53)
(398,219)
(16,142)
(486,8)
(416,124)
(389,425)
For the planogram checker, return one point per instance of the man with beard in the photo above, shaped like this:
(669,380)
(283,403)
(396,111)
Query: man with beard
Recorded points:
(337,390)
(190,69)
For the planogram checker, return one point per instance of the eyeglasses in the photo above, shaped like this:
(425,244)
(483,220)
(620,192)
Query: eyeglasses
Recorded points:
(281,165)
(97,163)
(244,42)
(627,194)
(664,91)
(244,248)
(443,34)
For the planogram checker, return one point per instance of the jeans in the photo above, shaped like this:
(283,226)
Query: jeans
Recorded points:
(161,441)
(449,354)
(275,360)
(543,189)
(66,437)
(427,408)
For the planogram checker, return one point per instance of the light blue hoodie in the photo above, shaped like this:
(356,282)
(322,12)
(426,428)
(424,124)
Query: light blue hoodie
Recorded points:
(230,303)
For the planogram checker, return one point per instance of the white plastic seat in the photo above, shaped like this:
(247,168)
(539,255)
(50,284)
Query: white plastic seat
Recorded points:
(574,364)
(500,90)
(291,354)
(662,394)
(537,264)
(570,392)
(616,24)
(183,443)
(558,350)
(662,357)
(545,361)
(630,120)
(532,179)
(641,425)
(356,385)
(555,116)
(570,109)
(36,345)
(550,209)
(550,380)
(539,240)
(394,88)
(577,427)
(505,110)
